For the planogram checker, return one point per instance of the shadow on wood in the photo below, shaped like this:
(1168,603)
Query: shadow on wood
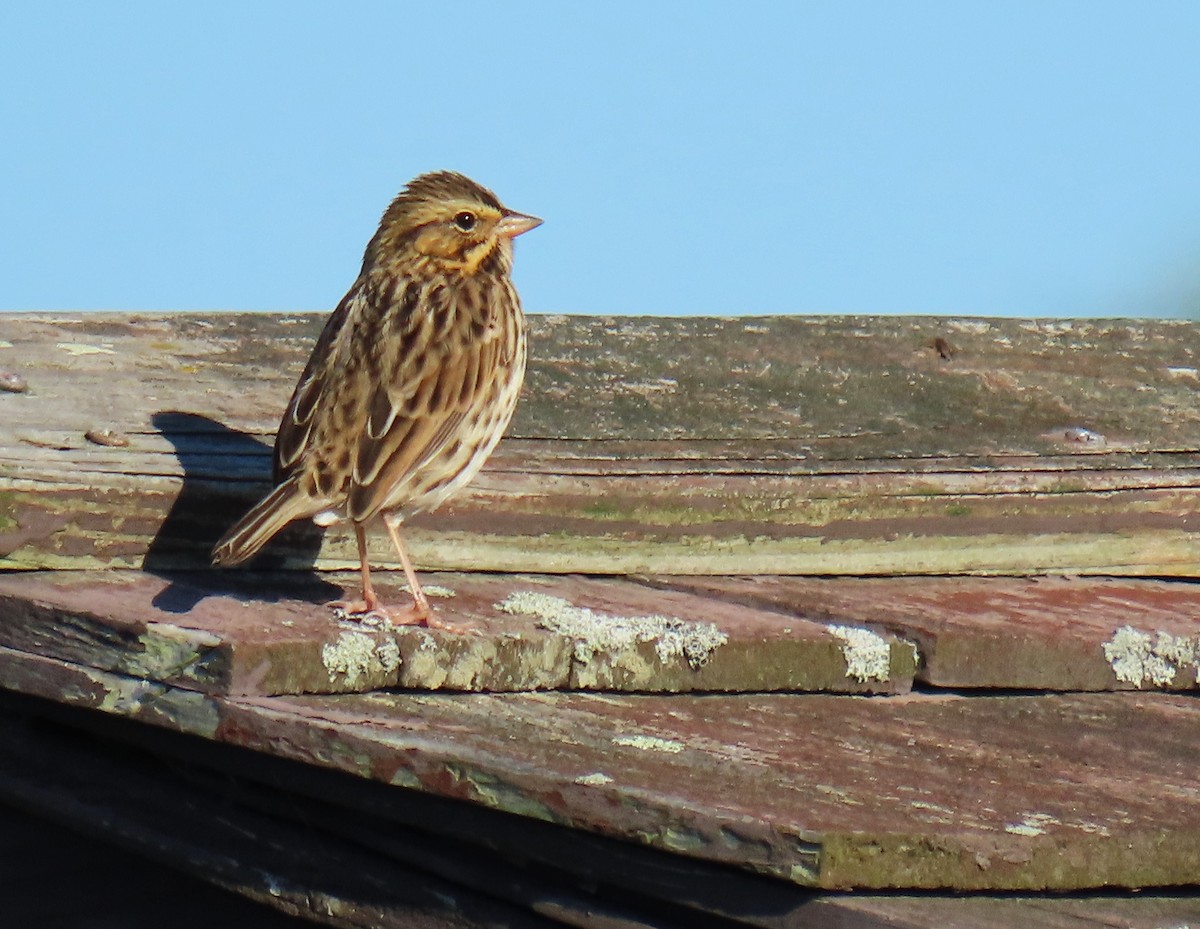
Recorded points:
(199,516)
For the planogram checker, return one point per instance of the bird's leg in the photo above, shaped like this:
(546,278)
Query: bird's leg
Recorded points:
(419,613)
(370,602)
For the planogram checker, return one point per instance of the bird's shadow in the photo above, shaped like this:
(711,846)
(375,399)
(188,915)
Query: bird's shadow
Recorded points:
(224,471)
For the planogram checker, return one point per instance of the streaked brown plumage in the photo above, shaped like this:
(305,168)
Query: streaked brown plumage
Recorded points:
(412,382)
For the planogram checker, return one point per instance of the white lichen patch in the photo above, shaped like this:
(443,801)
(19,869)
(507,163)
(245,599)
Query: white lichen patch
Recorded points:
(1139,657)
(355,656)
(839,794)
(388,654)
(867,654)
(424,662)
(650,743)
(435,590)
(596,633)
(932,807)
(972,326)
(1031,824)
(79,348)
(595,779)
(645,388)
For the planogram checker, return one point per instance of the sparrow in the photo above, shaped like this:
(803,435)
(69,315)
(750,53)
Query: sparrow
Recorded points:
(410,385)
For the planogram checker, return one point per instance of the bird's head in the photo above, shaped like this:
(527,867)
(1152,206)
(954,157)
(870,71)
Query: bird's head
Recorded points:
(448,220)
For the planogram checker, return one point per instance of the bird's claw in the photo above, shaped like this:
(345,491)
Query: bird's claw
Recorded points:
(372,614)
(359,611)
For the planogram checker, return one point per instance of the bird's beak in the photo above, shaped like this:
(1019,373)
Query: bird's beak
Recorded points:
(512,225)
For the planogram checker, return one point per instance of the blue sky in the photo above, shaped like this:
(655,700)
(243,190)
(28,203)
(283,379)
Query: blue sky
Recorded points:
(1008,158)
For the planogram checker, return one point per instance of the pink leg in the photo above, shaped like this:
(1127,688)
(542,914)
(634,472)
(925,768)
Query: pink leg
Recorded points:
(418,614)
(369,602)
(420,611)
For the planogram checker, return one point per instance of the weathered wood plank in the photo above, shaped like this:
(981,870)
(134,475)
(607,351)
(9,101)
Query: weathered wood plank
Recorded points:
(638,523)
(1035,633)
(388,856)
(1008,385)
(1134,911)
(55,876)
(269,634)
(288,865)
(781,445)
(917,791)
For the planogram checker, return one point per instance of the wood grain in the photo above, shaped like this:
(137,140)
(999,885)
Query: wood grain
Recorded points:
(1031,793)
(702,446)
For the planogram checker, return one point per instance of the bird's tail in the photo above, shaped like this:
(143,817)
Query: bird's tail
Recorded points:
(250,533)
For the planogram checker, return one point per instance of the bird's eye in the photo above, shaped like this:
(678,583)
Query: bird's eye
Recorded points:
(465,220)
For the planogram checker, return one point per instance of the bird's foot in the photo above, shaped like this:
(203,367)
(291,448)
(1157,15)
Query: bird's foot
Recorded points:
(373,613)
(452,627)
(422,615)
(367,612)
(411,615)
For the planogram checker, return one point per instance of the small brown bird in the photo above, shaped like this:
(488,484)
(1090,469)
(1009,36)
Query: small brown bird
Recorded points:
(411,383)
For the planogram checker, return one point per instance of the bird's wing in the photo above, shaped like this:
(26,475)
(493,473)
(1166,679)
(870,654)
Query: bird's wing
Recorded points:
(418,411)
(296,426)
